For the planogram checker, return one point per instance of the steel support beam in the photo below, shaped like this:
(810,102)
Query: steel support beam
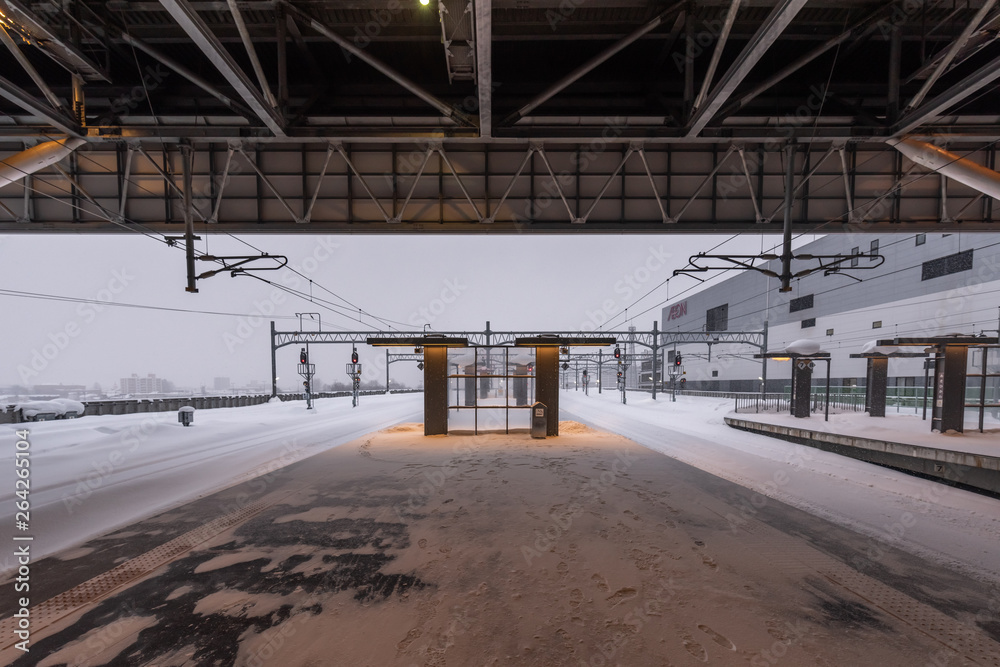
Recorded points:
(22,98)
(67,55)
(241,27)
(600,58)
(446,110)
(720,45)
(766,35)
(159,56)
(199,33)
(797,64)
(29,68)
(968,86)
(950,54)
(484,64)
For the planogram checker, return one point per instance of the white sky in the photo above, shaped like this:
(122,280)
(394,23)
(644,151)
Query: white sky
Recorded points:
(515,282)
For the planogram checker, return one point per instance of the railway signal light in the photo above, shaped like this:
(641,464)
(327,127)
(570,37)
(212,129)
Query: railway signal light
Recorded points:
(531,368)
(677,360)
(354,357)
(618,352)
(303,357)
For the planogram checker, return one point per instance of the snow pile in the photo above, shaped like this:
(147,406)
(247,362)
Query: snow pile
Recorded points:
(31,409)
(803,346)
(60,407)
(872,347)
(274,399)
(70,405)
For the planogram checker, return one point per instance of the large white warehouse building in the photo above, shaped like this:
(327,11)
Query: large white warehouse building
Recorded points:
(929,284)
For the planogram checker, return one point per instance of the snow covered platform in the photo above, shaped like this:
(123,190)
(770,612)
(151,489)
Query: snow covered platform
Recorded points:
(584,549)
(970,459)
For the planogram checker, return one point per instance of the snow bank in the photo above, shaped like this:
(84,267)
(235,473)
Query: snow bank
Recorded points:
(70,405)
(802,346)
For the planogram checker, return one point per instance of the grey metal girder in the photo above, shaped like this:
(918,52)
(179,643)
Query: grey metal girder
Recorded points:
(199,33)
(755,49)
(933,108)
(484,64)
(61,51)
(23,99)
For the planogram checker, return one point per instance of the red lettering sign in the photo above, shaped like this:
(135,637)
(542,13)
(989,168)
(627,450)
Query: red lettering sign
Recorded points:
(678,310)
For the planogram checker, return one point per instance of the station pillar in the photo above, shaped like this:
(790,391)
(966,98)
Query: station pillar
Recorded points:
(949,389)
(547,384)
(435,390)
(801,387)
(877,385)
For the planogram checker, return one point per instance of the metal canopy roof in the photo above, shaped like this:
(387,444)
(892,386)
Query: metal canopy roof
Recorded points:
(512,116)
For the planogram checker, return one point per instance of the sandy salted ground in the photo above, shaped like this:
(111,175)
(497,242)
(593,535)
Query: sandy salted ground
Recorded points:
(586,549)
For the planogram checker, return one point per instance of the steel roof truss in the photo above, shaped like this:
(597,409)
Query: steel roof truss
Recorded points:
(22,98)
(949,55)
(330,150)
(704,182)
(555,182)
(209,44)
(461,185)
(270,185)
(214,219)
(510,186)
(652,183)
(364,183)
(758,45)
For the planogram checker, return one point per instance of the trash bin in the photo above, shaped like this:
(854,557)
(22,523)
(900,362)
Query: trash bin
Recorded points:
(539,420)
(186,415)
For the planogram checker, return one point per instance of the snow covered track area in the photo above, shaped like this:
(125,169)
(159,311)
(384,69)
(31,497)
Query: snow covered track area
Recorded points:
(94,474)
(654,536)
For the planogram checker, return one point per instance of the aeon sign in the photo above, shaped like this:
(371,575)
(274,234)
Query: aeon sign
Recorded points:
(677,311)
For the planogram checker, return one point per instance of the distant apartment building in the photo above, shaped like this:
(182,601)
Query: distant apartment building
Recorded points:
(137,385)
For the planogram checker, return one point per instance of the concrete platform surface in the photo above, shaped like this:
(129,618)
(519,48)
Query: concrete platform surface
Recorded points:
(585,549)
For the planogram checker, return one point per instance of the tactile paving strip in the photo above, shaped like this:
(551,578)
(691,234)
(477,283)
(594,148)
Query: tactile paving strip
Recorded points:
(797,556)
(47,612)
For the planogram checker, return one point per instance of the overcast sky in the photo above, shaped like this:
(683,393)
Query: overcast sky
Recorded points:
(452,283)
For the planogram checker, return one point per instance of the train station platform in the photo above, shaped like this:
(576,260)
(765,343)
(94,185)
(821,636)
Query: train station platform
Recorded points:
(970,460)
(582,549)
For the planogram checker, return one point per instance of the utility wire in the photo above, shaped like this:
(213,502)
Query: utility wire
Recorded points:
(72,299)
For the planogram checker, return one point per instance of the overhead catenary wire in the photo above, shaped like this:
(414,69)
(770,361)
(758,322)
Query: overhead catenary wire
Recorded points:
(324,303)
